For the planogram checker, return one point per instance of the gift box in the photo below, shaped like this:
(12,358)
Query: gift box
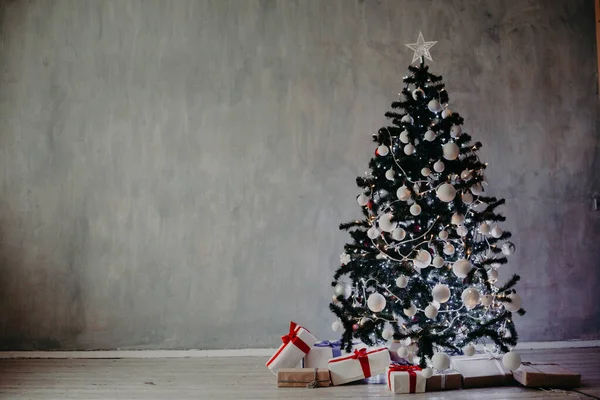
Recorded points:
(320,354)
(295,345)
(361,364)
(445,381)
(303,377)
(323,351)
(546,375)
(405,379)
(482,371)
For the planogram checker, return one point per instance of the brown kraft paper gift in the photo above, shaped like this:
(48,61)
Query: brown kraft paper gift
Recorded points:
(303,377)
(448,381)
(546,375)
(482,371)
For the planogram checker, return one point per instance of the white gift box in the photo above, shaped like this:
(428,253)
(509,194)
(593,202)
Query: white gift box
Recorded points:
(411,381)
(361,364)
(296,344)
(321,352)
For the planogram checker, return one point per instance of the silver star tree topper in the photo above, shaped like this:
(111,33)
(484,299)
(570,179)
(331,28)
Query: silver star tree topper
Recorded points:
(421,48)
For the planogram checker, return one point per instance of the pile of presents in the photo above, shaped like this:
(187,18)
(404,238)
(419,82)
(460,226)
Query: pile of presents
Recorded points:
(302,361)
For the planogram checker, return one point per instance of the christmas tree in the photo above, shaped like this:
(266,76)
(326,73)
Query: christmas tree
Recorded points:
(422,267)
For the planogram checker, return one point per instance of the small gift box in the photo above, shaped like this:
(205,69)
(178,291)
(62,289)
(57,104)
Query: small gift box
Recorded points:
(449,380)
(405,379)
(295,346)
(482,371)
(303,377)
(546,375)
(361,364)
(320,354)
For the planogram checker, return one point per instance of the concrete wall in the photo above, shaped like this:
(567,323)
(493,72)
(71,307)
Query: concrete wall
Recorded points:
(173,172)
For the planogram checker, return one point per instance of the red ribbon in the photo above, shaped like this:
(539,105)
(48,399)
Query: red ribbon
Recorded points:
(363,358)
(292,336)
(412,376)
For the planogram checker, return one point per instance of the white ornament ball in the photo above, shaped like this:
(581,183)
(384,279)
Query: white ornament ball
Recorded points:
(399,234)
(404,136)
(431,311)
(496,232)
(446,192)
(457,219)
(508,248)
(455,131)
(486,300)
(376,302)
(434,106)
(373,233)
(385,222)
(403,193)
(387,334)
(362,199)
(462,231)
(436,304)
(408,119)
(441,293)
(401,281)
(415,209)
(450,151)
(443,235)
(492,275)
(438,262)
(511,360)
(477,189)
(438,166)
(470,298)
(515,304)
(484,229)
(427,373)
(466,175)
(448,249)
(418,93)
(337,326)
(406,342)
(423,259)
(411,311)
(342,289)
(467,197)
(446,113)
(425,171)
(440,361)
(461,268)
(430,135)
(390,174)
(469,350)
(402,352)
(383,150)
(409,149)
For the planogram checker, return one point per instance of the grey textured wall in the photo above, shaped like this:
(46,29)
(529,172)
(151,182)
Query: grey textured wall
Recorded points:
(173,172)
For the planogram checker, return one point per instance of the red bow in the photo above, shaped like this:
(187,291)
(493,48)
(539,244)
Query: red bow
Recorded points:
(363,358)
(292,336)
(412,377)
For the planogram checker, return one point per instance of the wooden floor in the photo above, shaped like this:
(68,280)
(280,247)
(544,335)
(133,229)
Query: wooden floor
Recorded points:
(240,378)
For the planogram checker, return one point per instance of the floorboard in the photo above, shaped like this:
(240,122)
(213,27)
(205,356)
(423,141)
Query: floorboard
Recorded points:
(241,378)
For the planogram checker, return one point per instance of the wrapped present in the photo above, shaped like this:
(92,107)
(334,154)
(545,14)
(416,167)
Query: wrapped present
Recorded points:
(546,375)
(482,370)
(405,379)
(295,345)
(320,354)
(447,380)
(303,377)
(361,364)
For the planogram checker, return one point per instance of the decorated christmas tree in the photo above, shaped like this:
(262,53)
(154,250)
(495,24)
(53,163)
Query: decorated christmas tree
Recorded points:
(422,265)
